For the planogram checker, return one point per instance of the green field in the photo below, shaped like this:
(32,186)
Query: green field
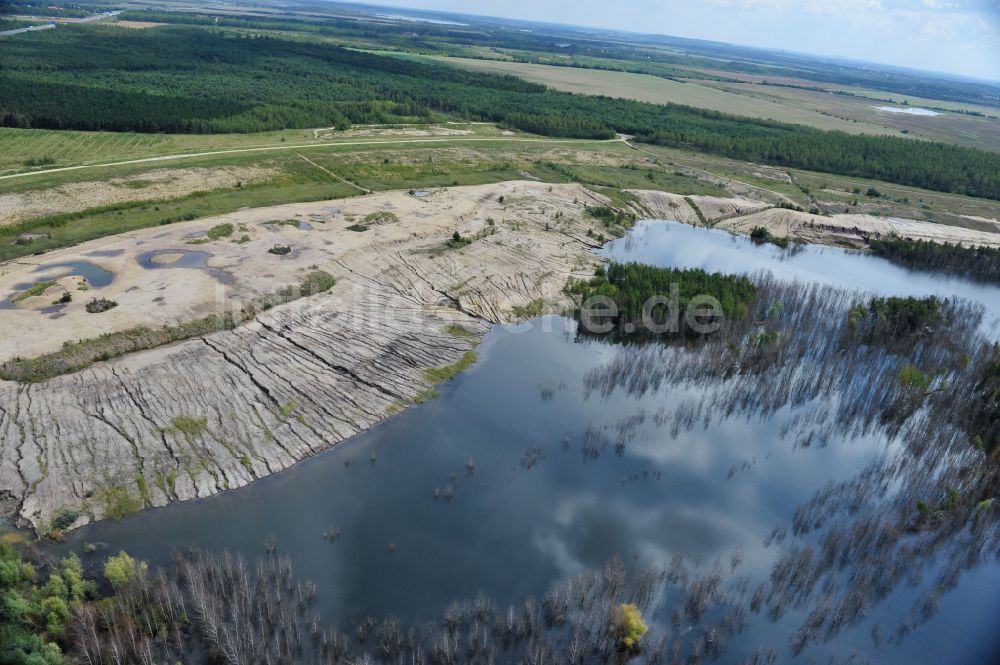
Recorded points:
(380,165)
(375,165)
(25,150)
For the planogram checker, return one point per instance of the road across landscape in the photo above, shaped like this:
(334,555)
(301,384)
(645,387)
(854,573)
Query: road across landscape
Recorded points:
(306,146)
(30,28)
(50,22)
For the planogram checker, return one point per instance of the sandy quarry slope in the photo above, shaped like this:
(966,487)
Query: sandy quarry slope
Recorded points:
(741,215)
(197,417)
(295,380)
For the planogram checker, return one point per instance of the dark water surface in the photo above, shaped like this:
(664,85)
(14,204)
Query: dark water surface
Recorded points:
(680,245)
(508,442)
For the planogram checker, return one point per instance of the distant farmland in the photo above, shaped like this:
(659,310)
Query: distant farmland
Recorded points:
(647,88)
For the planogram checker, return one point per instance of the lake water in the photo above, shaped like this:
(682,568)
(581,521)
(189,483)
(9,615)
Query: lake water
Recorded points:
(522,474)
(908,110)
(680,245)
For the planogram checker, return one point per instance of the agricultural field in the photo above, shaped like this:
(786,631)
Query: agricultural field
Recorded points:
(658,90)
(961,124)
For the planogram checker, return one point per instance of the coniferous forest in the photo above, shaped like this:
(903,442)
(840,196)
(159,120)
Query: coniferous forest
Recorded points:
(198,80)
(982,263)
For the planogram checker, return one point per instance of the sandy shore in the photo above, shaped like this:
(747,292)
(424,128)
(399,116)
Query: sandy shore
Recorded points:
(741,215)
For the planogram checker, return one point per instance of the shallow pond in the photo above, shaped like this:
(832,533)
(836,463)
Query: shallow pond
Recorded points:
(524,472)
(162,259)
(299,224)
(95,275)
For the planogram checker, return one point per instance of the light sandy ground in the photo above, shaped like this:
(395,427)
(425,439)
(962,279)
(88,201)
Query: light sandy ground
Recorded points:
(412,132)
(986,220)
(173,295)
(853,229)
(137,25)
(741,215)
(170,296)
(340,361)
(149,186)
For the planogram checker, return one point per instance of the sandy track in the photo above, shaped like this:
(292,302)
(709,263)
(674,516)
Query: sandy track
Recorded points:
(299,146)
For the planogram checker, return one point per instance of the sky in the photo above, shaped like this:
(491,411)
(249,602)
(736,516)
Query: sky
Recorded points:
(953,36)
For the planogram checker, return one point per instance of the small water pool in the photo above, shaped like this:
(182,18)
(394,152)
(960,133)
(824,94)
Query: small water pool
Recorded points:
(160,259)
(912,110)
(95,275)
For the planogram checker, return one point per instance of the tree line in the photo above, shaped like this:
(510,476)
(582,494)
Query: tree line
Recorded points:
(643,293)
(204,80)
(981,263)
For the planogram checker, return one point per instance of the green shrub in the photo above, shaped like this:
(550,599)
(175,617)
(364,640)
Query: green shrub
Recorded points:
(316,282)
(627,623)
(122,569)
(189,425)
(119,502)
(220,231)
(99,305)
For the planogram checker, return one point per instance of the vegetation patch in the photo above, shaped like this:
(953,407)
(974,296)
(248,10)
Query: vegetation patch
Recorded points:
(220,231)
(380,217)
(662,296)
(100,305)
(438,375)
(35,615)
(119,502)
(897,317)
(459,331)
(534,308)
(697,211)
(457,241)
(627,623)
(286,409)
(189,426)
(761,235)
(38,289)
(77,355)
(981,263)
(280,250)
(611,216)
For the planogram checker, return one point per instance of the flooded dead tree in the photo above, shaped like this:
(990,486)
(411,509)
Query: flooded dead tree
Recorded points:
(917,373)
(219,608)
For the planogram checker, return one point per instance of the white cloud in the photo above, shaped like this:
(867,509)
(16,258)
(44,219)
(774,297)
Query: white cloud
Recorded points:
(959,36)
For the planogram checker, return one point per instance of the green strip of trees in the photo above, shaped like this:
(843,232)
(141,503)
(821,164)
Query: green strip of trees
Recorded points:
(205,80)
